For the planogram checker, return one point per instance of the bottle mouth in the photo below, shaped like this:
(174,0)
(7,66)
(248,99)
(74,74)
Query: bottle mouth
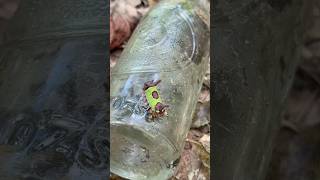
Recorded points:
(137,155)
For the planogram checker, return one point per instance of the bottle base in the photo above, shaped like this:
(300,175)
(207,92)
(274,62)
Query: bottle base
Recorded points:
(135,154)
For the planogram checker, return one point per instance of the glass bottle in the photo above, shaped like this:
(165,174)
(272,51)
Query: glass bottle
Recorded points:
(162,65)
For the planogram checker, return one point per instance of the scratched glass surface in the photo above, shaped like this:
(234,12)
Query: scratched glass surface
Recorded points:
(171,44)
(53,110)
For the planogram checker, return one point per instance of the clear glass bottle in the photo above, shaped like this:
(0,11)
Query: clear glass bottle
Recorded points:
(170,44)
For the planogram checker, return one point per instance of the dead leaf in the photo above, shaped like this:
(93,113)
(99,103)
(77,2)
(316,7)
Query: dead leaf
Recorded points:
(203,153)
(194,134)
(189,162)
(205,141)
(124,16)
(115,177)
(204,95)
(120,31)
(202,115)
(114,56)
(206,80)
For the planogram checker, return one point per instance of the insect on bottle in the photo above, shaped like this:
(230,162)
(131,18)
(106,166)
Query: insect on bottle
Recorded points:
(154,89)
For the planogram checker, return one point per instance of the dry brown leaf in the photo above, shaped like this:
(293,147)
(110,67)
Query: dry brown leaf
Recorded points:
(202,115)
(206,80)
(204,155)
(115,177)
(114,56)
(205,141)
(120,31)
(204,95)
(189,163)
(124,16)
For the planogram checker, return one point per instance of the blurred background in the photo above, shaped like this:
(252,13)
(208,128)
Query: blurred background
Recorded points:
(296,154)
(297,146)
